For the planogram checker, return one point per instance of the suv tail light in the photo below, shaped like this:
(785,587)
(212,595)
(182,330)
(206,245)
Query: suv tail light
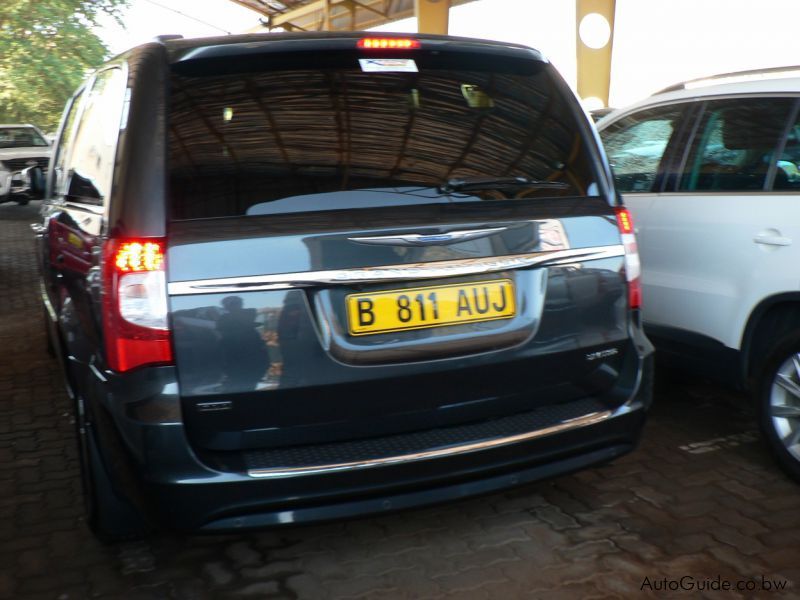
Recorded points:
(633,267)
(135,322)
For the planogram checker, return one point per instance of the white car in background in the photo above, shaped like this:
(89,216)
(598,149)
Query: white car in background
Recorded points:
(709,170)
(21,148)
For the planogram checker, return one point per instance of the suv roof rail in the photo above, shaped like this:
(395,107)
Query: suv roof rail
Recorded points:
(167,37)
(712,79)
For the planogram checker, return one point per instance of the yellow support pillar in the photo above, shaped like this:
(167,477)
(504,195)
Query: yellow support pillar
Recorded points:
(326,15)
(594,29)
(432,15)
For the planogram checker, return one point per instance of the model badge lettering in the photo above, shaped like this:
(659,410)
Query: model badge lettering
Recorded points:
(214,406)
(602,354)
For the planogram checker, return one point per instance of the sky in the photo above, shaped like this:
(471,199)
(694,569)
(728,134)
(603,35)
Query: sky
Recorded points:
(145,19)
(657,42)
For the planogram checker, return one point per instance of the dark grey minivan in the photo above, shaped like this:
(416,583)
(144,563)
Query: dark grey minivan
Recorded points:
(301,277)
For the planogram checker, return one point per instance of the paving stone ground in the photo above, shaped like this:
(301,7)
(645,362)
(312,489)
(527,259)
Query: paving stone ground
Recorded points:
(699,500)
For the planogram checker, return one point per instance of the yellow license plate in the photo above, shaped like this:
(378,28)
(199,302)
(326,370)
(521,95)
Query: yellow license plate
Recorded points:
(434,306)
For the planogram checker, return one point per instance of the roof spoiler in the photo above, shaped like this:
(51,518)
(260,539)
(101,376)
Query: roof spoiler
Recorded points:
(167,37)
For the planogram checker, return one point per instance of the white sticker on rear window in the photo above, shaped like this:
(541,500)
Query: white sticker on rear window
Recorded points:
(383,65)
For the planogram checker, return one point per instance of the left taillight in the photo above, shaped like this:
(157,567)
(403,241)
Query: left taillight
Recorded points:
(135,323)
(633,266)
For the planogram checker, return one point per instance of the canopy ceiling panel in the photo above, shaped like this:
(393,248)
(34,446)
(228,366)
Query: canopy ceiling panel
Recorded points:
(332,15)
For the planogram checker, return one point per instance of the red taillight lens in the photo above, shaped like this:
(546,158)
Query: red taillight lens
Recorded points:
(633,267)
(624,220)
(139,256)
(387,43)
(635,293)
(135,322)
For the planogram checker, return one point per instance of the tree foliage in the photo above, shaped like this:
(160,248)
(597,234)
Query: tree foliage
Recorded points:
(46,49)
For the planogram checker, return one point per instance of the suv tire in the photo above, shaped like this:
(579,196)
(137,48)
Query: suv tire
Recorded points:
(778,399)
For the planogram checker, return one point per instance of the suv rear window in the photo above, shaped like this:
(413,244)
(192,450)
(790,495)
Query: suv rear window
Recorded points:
(20,137)
(297,136)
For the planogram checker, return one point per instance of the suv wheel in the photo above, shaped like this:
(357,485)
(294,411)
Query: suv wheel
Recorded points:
(779,403)
(110,517)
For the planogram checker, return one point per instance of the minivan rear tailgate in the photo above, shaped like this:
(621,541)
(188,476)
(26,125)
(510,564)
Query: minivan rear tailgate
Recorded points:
(269,353)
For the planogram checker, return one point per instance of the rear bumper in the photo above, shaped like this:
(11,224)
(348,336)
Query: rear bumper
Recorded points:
(248,502)
(180,490)
(394,501)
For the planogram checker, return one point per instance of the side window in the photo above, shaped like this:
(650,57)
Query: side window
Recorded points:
(787,173)
(62,150)
(90,168)
(735,144)
(635,145)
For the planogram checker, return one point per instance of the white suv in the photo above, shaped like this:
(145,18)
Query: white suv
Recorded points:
(22,147)
(711,173)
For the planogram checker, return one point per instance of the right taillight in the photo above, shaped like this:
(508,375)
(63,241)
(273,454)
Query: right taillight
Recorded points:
(633,267)
(135,323)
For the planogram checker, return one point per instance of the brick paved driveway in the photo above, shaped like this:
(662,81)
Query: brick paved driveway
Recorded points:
(700,498)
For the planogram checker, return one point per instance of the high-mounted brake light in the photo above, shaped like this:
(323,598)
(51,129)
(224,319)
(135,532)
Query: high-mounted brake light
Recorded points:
(135,322)
(386,43)
(633,266)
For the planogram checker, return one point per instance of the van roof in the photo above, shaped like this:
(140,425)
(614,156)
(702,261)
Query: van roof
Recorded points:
(180,49)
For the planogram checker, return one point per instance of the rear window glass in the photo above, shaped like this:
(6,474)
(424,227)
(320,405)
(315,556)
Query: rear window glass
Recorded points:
(297,138)
(20,137)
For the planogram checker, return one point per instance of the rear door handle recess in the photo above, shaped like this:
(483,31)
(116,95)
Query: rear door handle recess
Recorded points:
(772,240)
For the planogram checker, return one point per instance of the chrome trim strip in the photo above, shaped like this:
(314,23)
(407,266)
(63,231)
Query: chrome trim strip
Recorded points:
(409,272)
(431,239)
(95,209)
(93,368)
(584,421)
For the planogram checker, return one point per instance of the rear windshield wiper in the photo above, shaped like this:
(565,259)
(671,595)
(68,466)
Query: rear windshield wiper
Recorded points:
(493,183)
